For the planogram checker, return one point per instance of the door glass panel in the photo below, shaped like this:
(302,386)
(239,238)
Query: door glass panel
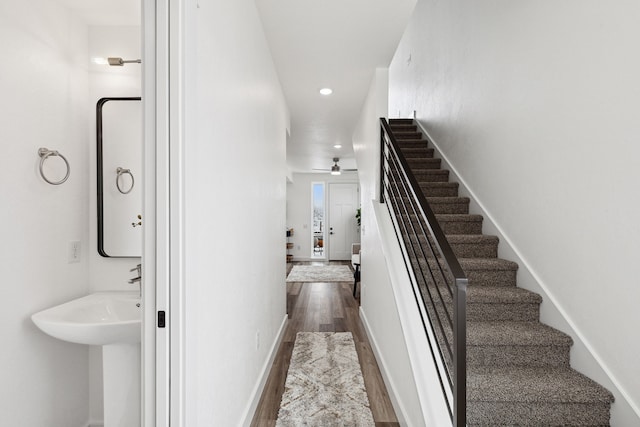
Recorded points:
(317,219)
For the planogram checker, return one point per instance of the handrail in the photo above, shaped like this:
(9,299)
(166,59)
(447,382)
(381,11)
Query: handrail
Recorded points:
(440,284)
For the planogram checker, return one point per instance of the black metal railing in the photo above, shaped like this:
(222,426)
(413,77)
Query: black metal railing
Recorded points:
(438,281)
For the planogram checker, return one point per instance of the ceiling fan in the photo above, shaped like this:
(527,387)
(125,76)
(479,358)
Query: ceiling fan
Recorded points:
(335,169)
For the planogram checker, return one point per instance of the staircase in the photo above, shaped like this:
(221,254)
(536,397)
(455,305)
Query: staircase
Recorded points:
(518,369)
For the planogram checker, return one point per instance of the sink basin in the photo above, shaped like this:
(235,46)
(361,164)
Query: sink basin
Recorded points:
(98,319)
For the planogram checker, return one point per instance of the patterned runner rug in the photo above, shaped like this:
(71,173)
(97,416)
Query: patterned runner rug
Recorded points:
(320,273)
(324,385)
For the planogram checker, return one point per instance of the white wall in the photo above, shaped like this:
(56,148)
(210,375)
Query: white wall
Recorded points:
(299,208)
(44,93)
(535,104)
(380,307)
(106,81)
(234,211)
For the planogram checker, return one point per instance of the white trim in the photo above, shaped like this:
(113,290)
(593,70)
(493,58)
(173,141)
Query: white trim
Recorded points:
(151,30)
(397,404)
(433,404)
(256,394)
(553,314)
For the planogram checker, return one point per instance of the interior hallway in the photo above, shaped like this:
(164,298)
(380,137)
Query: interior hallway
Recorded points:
(324,307)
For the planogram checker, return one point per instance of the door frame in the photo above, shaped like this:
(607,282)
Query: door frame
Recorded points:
(164,32)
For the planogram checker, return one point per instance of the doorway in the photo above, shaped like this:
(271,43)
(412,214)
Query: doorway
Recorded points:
(343,228)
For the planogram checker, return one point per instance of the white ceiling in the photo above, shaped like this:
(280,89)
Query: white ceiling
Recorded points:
(314,44)
(329,43)
(106,12)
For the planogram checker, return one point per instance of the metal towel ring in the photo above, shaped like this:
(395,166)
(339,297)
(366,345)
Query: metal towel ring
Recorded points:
(121,171)
(44,154)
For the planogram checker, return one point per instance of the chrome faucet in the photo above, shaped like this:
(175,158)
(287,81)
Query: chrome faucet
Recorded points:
(138,279)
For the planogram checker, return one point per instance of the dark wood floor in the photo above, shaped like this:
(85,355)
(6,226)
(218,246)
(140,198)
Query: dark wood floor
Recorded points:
(324,307)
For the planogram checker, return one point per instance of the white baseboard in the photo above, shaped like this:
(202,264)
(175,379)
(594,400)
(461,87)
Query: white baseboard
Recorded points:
(398,407)
(264,374)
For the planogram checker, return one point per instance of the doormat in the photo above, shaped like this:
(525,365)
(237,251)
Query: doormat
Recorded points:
(320,273)
(324,385)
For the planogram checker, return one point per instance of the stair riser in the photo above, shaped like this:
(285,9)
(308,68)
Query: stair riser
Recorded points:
(542,355)
(455,207)
(455,227)
(478,250)
(431,175)
(461,227)
(487,249)
(395,128)
(439,190)
(491,414)
(486,312)
(393,122)
(439,206)
(496,312)
(497,278)
(407,135)
(417,143)
(491,278)
(417,153)
(424,163)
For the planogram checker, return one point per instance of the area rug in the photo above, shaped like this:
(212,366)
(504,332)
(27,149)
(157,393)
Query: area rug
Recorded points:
(324,385)
(320,273)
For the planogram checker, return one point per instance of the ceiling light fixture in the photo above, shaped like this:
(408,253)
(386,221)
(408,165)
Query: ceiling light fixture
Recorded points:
(337,146)
(335,169)
(326,91)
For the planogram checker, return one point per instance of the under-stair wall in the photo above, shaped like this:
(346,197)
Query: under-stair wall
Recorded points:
(539,125)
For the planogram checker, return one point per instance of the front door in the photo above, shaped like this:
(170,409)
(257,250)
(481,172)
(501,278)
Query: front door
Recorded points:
(343,228)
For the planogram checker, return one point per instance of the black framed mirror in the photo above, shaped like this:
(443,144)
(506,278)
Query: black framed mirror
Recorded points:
(119,176)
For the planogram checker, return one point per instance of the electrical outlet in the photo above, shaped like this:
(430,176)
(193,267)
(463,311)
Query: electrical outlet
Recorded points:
(74,251)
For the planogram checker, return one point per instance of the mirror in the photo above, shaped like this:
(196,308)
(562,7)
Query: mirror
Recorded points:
(119,169)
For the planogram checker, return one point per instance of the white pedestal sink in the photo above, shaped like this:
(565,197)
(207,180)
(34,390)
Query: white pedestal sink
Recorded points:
(112,320)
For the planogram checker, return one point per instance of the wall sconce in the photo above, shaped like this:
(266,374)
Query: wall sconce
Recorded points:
(116,62)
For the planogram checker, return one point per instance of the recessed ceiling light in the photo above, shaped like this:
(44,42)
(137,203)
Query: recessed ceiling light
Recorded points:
(337,146)
(326,91)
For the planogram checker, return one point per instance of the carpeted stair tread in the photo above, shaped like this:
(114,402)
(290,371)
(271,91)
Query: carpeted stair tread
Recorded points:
(479,271)
(403,128)
(407,135)
(431,175)
(514,333)
(468,245)
(400,121)
(450,205)
(518,369)
(502,303)
(501,295)
(439,189)
(413,143)
(489,271)
(493,264)
(532,385)
(424,163)
(502,343)
(417,152)
(453,224)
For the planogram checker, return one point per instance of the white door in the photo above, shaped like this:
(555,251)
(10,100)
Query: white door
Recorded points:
(343,228)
